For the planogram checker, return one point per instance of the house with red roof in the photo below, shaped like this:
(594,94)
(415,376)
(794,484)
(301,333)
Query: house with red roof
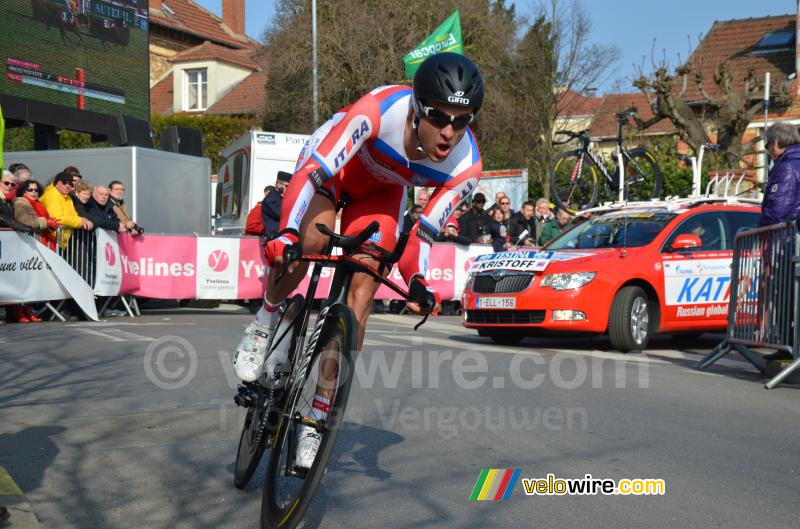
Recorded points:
(765,44)
(201,63)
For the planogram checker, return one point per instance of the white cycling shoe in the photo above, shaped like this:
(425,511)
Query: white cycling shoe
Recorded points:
(248,361)
(308,441)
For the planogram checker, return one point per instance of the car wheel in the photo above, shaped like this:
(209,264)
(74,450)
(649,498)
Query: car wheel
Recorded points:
(506,338)
(629,320)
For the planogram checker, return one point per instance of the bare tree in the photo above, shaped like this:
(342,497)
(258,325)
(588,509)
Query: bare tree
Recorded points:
(724,116)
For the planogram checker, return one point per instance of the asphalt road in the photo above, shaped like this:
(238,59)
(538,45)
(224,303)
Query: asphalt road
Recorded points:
(130,424)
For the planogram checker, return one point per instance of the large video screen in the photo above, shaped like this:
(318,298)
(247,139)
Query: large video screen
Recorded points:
(89,55)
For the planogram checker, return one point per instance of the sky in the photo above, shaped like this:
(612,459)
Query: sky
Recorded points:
(630,24)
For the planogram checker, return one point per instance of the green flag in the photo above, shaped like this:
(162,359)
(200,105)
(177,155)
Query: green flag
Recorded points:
(446,37)
(2,134)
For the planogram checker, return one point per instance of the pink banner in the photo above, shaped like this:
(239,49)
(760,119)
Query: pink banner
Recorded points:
(158,266)
(187,267)
(252,268)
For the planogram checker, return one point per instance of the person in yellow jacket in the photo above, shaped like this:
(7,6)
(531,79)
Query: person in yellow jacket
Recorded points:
(59,205)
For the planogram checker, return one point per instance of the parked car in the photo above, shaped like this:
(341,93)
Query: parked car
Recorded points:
(630,273)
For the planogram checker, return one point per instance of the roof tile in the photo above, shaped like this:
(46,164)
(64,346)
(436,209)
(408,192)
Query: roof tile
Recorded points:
(248,97)
(604,124)
(161,96)
(732,41)
(210,51)
(189,17)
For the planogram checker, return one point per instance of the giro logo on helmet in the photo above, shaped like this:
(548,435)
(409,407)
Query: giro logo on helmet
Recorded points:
(459,100)
(459,93)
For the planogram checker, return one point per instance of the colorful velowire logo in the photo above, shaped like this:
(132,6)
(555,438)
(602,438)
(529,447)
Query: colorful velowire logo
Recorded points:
(218,260)
(111,257)
(495,484)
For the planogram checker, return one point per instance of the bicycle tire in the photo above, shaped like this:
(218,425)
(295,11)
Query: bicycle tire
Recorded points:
(251,442)
(253,439)
(643,178)
(282,508)
(570,192)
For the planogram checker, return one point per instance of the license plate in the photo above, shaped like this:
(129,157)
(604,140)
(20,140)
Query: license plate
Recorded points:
(496,303)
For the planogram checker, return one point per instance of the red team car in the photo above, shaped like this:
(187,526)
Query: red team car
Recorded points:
(632,272)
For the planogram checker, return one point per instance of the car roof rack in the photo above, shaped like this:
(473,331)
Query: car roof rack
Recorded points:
(676,203)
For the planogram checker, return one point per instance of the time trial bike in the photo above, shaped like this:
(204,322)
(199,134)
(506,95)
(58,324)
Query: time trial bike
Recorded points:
(279,403)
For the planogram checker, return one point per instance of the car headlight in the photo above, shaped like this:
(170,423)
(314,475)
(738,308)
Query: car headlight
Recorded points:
(567,281)
(470,281)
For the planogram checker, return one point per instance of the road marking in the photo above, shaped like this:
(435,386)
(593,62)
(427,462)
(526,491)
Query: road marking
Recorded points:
(116,335)
(119,324)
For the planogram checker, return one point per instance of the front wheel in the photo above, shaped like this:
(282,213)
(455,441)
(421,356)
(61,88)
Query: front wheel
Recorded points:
(574,182)
(643,177)
(288,490)
(630,320)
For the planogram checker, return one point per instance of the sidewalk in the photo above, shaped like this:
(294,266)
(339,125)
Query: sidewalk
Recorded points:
(12,497)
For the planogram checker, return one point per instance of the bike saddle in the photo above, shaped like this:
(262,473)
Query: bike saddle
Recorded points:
(349,244)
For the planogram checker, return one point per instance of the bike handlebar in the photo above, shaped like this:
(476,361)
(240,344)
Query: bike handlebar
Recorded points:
(625,114)
(571,135)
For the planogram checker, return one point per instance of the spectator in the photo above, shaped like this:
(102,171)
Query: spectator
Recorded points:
(475,222)
(32,213)
(7,219)
(59,205)
(411,217)
(782,191)
(21,171)
(464,207)
(521,228)
(505,206)
(101,212)
(499,231)
(451,233)
(422,198)
(80,197)
(555,228)
(498,197)
(116,191)
(76,175)
(254,224)
(543,216)
(9,190)
(271,205)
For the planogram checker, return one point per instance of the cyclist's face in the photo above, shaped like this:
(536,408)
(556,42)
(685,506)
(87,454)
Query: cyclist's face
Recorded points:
(438,141)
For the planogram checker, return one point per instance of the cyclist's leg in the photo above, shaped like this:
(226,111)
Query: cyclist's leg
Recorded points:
(386,205)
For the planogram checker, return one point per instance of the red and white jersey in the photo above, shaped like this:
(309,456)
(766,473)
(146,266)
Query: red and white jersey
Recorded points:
(367,138)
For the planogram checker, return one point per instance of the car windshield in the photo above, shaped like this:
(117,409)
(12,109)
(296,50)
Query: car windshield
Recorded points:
(609,230)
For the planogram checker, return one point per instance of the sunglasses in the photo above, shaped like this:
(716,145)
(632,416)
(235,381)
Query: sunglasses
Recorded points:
(32,190)
(505,203)
(9,184)
(440,119)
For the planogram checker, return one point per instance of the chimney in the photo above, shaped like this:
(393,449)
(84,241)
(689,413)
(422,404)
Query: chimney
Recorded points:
(233,15)
(156,4)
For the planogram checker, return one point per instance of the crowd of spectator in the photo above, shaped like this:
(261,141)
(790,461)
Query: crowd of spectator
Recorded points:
(533,225)
(53,213)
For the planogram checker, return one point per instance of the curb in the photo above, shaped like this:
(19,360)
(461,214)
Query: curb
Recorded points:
(12,497)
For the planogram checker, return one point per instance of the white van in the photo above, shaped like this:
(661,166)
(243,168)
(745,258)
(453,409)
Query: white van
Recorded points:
(249,164)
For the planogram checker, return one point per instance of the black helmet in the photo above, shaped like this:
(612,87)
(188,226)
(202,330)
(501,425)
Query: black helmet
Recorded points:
(448,78)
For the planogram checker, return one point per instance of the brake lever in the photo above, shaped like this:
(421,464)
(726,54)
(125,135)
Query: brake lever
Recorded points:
(290,255)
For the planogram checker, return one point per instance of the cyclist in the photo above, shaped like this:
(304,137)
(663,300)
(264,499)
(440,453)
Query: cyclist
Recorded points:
(363,158)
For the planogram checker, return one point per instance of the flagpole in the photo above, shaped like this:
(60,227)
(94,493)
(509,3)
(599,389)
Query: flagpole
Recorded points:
(314,92)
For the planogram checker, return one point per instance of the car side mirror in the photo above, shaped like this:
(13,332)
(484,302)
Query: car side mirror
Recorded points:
(686,241)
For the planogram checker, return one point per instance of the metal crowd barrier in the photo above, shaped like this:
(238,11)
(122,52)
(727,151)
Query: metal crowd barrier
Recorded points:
(79,249)
(765,277)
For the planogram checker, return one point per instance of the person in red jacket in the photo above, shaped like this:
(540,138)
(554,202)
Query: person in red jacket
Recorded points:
(254,225)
